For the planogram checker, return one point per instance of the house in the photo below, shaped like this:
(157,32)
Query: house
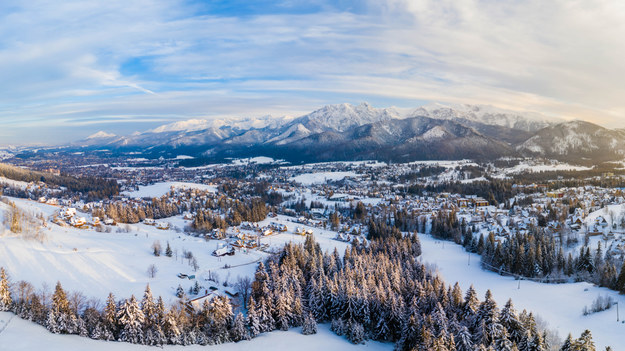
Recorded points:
(78,221)
(162,225)
(226,250)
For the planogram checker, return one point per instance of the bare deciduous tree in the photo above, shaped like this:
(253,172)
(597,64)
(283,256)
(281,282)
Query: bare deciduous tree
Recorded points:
(152,270)
(244,286)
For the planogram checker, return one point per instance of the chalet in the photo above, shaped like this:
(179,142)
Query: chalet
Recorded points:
(223,251)
(480,202)
(278,227)
(78,221)
(68,212)
(162,225)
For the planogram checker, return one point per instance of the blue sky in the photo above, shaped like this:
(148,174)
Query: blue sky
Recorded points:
(72,68)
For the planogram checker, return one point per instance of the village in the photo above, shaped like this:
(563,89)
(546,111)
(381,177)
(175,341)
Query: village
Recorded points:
(197,234)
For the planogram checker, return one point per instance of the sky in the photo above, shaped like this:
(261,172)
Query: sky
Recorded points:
(72,68)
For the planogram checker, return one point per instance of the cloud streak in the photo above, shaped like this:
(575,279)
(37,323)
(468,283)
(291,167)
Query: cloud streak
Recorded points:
(143,62)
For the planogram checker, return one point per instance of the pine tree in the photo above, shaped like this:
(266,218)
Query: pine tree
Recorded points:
(471,304)
(239,330)
(253,319)
(220,313)
(568,344)
(620,281)
(356,333)
(584,342)
(168,251)
(131,321)
(61,318)
(5,294)
(180,292)
(510,320)
(170,328)
(109,323)
(310,325)
(464,340)
(265,316)
(152,329)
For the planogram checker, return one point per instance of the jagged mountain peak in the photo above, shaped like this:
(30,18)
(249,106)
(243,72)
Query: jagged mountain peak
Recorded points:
(487,114)
(342,117)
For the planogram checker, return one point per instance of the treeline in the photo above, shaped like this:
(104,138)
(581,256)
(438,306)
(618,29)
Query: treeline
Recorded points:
(209,210)
(147,321)
(123,212)
(535,255)
(250,210)
(90,188)
(494,190)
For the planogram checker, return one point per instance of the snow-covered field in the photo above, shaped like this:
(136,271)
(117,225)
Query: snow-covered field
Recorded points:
(322,177)
(96,263)
(259,160)
(13,183)
(22,335)
(539,167)
(560,305)
(160,189)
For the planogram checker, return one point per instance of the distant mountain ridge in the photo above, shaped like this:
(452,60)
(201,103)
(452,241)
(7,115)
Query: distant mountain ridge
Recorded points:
(345,132)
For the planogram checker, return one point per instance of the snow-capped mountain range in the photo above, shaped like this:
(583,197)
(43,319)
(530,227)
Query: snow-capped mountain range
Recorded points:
(346,131)
(490,115)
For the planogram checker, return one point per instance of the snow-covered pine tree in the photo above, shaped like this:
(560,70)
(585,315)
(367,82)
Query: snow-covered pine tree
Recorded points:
(265,315)
(151,325)
(282,310)
(131,321)
(180,292)
(253,319)
(464,340)
(170,328)
(568,344)
(260,286)
(109,322)
(584,342)
(159,316)
(356,333)
(471,304)
(315,298)
(65,320)
(6,303)
(510,320)
(488,313)
(239,331)
(338,326)
(309,326)
(410,333)
(220,319)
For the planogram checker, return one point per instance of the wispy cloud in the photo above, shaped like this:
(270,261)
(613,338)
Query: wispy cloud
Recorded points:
(75,63)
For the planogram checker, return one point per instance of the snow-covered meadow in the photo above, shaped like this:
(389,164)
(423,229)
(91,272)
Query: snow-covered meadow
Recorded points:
(560,305)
